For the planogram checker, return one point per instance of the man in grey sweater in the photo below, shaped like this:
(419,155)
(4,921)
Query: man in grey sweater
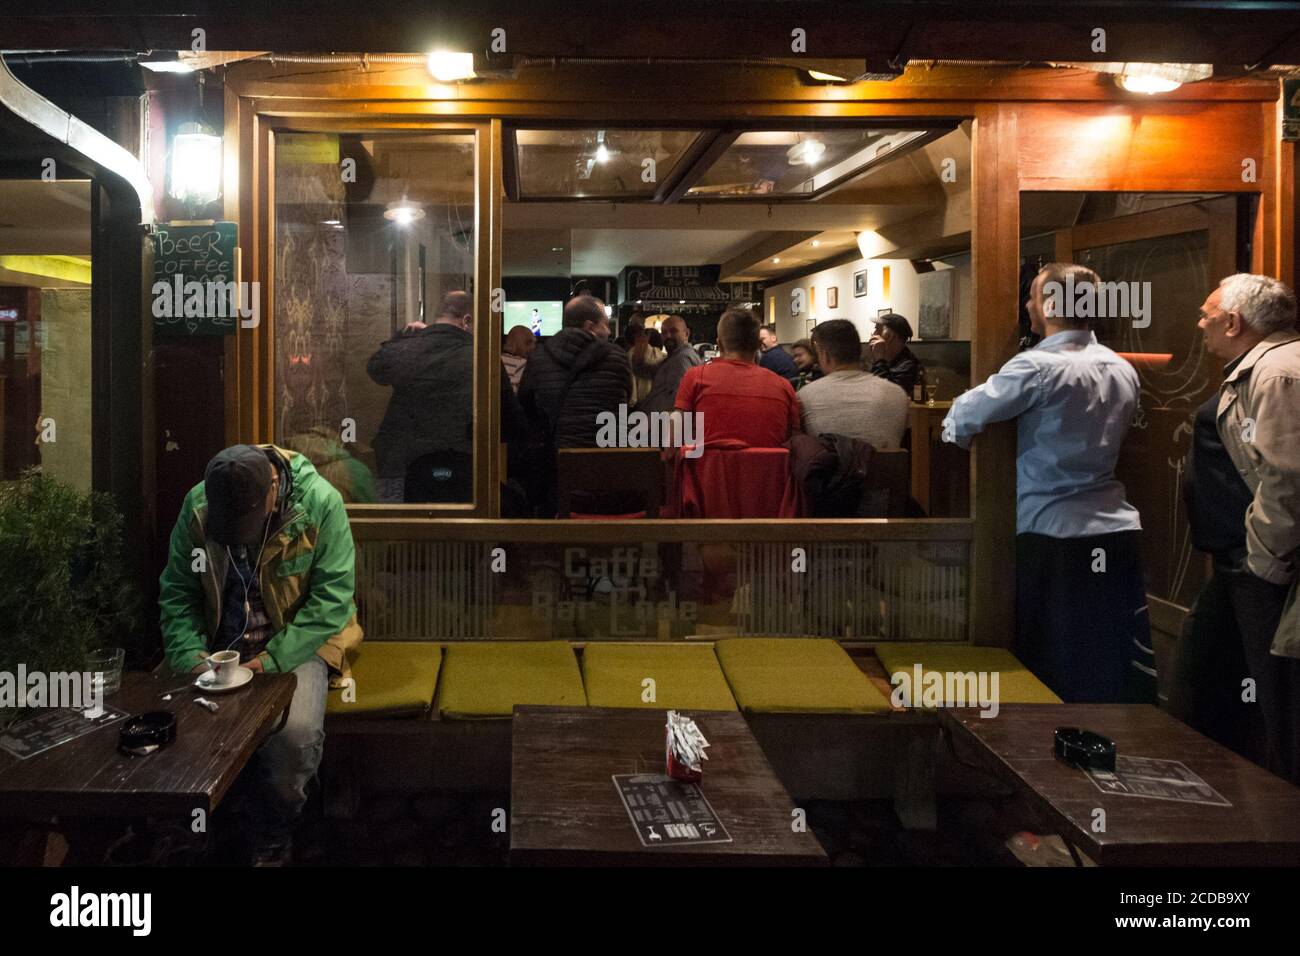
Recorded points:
(667,374)
(847,400)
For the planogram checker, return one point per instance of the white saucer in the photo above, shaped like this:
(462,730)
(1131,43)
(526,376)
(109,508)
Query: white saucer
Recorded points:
(204,681)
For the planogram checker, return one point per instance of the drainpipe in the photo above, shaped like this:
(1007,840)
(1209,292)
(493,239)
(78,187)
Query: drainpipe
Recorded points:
(29,105)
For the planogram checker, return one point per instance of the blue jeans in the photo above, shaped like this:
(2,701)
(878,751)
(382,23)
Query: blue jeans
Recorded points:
(286,763)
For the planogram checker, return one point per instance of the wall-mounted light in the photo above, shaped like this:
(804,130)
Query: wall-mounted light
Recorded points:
(196,165)
(403,212)
(449,66)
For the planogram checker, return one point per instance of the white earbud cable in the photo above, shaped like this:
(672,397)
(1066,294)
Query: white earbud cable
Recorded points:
(256,564)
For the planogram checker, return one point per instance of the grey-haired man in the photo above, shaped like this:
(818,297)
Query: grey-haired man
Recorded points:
(1242,489)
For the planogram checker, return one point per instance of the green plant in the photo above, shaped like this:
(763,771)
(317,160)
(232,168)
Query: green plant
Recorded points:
(64,588)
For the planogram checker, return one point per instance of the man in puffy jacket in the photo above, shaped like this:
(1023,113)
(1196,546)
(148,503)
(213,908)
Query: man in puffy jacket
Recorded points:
(571,378)
(262,562)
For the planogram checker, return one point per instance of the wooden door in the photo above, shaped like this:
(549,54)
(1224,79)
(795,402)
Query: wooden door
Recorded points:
(1182,251)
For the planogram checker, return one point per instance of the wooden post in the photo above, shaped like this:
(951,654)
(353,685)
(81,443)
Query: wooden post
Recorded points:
(995,268)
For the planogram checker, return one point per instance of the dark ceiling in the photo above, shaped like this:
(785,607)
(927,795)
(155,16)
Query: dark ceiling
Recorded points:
(1202,31)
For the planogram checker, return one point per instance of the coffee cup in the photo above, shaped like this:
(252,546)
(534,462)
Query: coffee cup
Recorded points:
(224,666)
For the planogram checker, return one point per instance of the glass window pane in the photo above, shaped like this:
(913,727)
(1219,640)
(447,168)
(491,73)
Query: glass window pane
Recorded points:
(373,377)
(597,162)
(45,340)
(646,591)
(795,163)
(1177,375)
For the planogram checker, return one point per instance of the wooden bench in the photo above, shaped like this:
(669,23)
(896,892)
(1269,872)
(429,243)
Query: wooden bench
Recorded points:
(431,716)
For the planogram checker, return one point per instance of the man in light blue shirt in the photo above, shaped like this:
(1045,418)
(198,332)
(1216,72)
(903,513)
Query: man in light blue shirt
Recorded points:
(1081,623)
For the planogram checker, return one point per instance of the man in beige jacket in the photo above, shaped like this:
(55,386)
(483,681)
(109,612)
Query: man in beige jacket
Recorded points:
(1250,323)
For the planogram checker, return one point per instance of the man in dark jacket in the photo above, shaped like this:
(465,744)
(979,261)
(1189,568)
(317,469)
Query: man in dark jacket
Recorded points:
(571,378)
(601,376)
(774,358)
(424,445)
(431,371)
(889,355)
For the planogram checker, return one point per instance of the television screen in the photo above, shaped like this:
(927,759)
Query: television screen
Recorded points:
(544,318)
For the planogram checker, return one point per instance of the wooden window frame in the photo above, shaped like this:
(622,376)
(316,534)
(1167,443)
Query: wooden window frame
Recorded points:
(1018,120)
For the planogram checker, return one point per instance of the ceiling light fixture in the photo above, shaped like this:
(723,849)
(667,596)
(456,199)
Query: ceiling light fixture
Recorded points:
(1148,78)
(449,66)
(403,212)
(166,64)
(1146,84)
(776,260)
(602,151)
(806,152)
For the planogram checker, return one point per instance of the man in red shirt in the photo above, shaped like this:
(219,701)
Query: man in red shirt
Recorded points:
(739,399)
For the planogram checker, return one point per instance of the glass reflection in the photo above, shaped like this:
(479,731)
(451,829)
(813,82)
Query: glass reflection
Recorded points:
(374,260)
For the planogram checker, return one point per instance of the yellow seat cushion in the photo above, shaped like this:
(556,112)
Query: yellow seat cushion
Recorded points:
(795,675)
(487,680)
(390,678)
(686,676)
(1016,685)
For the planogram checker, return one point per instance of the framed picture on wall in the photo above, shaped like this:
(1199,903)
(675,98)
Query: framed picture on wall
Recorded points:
(860,283)
(833,297)
(937,299)
(880,312)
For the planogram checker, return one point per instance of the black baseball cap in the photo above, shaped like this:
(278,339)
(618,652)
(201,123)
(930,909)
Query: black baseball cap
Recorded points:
(897,324)
(236,483)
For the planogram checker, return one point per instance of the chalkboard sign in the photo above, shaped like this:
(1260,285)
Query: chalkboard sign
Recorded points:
(204,253)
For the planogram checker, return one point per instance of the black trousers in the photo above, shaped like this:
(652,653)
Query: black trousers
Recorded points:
(441,476)
(1226,638)
(1081,617)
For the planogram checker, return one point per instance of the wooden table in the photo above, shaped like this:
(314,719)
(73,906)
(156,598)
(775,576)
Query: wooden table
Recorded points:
(88,777)
(926,422)
(565,809)
(1262,827)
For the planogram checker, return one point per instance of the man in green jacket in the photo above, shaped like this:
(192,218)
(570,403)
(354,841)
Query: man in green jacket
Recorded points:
(262,562)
